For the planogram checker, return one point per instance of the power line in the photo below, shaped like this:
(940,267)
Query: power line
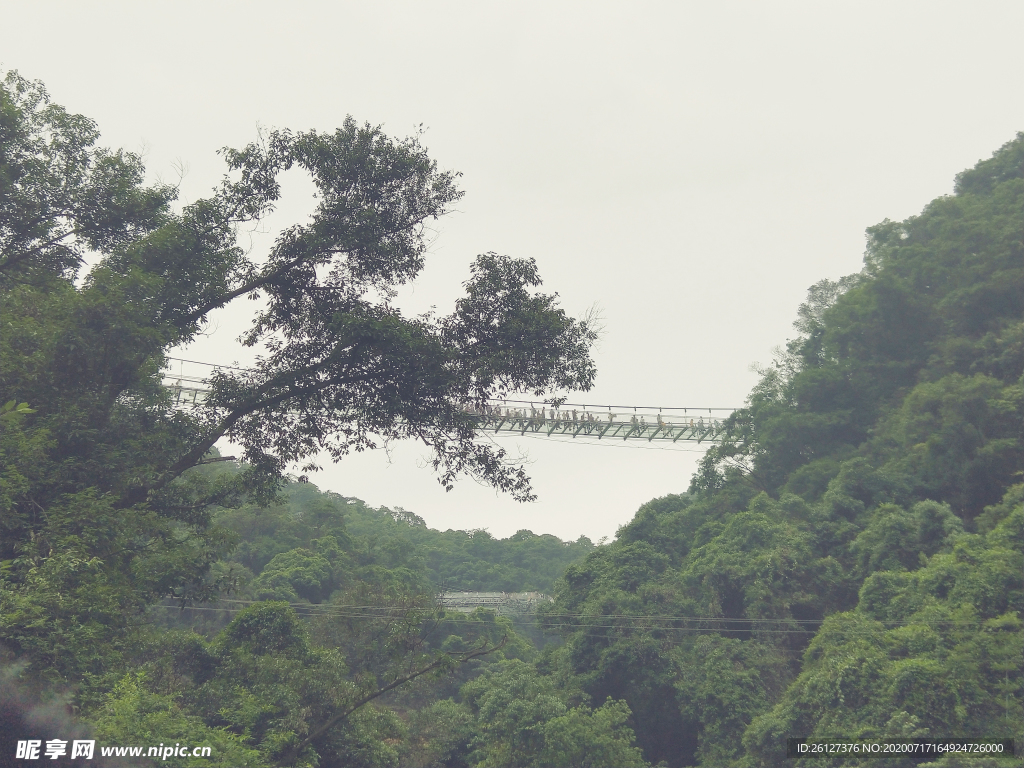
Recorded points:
(628,620)
(211,365)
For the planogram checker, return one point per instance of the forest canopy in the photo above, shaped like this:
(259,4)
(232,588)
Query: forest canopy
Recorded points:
(847,563)
(108,500)
(852,555)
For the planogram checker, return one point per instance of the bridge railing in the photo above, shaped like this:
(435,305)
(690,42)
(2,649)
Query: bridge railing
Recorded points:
(573,421)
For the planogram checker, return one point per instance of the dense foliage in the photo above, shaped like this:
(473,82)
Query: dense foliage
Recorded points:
(849,563)
(456,560)
(109,496)
(313,547)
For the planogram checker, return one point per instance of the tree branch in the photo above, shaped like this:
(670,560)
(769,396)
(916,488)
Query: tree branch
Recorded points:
(215,460)
(261,280)
(252,285)
(293,754)
(10,259)
(194,457)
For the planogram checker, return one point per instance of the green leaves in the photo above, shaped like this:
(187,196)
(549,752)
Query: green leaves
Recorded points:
(516,341)
(523,720)
(838,523)
(957,439)
(13,409)
(294,574)
(897,539)
(59,197)
(104,490)
(270,627)
(586,738)
(134,715)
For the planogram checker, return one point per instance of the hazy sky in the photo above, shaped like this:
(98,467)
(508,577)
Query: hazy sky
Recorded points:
(690,167)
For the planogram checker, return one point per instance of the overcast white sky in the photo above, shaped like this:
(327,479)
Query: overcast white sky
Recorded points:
(691,167)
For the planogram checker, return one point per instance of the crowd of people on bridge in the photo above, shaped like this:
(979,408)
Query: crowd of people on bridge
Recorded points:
(533,416)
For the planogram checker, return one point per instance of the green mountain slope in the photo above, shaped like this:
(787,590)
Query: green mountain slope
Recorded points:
(850,563)
(367,539)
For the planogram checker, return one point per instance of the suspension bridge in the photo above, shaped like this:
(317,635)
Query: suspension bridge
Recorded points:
(536,419)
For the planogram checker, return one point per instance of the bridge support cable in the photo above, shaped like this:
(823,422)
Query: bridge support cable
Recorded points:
(522,417)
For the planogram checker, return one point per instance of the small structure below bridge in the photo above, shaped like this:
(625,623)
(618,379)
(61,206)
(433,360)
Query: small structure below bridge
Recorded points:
(504,603)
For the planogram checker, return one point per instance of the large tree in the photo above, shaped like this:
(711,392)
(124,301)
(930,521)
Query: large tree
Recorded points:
(103,508)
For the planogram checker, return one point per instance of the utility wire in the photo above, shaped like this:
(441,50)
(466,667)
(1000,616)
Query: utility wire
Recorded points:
(211,365)
(634,620)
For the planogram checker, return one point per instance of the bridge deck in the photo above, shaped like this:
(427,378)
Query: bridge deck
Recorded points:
(588,422)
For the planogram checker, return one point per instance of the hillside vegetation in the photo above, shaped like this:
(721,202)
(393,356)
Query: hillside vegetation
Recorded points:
(271,538)
(848,563)
(854,553)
